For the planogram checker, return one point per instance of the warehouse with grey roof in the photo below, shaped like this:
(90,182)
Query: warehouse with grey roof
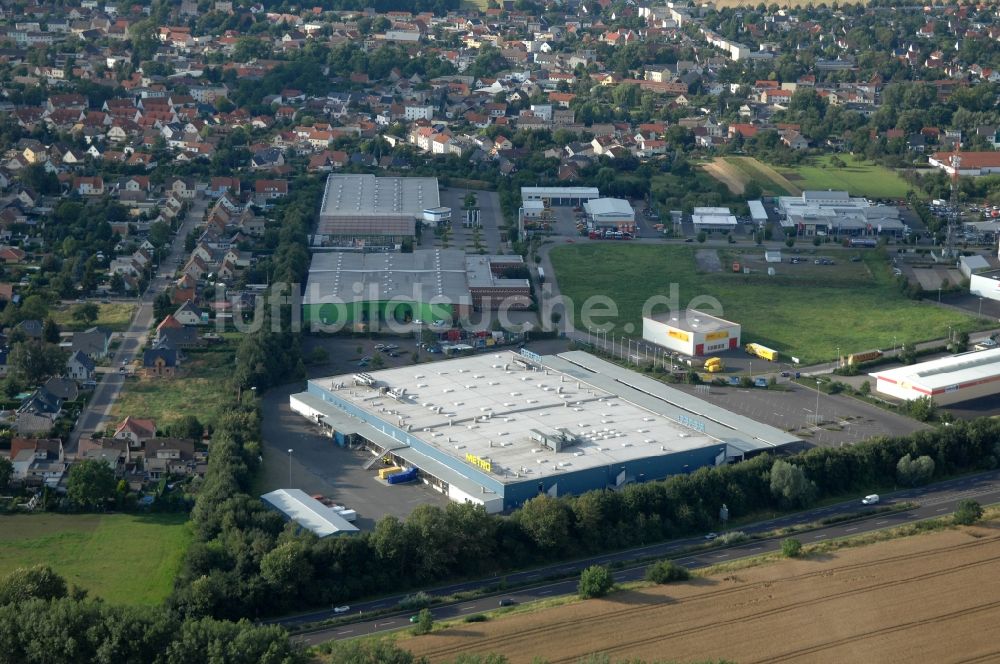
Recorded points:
(497,429)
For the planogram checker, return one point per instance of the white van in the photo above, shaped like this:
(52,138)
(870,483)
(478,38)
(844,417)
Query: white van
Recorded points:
(871,499)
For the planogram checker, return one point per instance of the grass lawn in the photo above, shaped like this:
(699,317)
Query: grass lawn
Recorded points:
(115,316)
(807,312)
(199,389)
(122,558)
(859,178)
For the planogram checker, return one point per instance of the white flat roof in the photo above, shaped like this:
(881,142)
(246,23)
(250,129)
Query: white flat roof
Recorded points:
(954,371)
(757,210)
(606,206)
(308,512)
(713,220)
(490,405)
(694,321)
(724,211)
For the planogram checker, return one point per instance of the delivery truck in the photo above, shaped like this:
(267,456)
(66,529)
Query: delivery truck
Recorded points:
(762,352)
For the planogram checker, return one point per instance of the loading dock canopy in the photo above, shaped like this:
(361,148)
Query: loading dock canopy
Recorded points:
(308,512)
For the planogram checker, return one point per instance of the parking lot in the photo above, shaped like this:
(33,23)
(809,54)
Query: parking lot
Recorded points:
(843,420)
(461,237)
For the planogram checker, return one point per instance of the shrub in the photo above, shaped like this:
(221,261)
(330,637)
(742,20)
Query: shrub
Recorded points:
(595,581)
(968,512)
(791,548)
(734,537)
(417,600)
(476,617)
(425,622)
(667,571)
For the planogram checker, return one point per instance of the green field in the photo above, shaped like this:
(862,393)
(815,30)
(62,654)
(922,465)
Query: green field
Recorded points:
(859,178)
(115,316)
(805,310)
(771,182)
(122,558)
(200,389)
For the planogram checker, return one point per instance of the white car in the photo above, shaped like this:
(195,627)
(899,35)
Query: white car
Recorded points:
(341,609)
(418,322)
(439,323)
(711,536)
(870,499)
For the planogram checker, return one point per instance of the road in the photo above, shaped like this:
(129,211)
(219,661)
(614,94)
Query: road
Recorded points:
(132,340)
(933,501)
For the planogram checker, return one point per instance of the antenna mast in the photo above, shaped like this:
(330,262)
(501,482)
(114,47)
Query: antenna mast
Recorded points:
(953,217)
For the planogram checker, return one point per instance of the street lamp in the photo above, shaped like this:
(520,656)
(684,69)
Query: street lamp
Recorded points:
(980,308)
(816,413)
(290,466)
(894,344)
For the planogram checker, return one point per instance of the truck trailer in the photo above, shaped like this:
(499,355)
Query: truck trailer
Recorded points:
(762,352)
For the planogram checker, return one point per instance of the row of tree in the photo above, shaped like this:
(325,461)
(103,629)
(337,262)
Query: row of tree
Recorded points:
(247,563)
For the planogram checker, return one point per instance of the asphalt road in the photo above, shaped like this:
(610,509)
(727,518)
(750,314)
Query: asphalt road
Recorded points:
(934,501)
(93,417)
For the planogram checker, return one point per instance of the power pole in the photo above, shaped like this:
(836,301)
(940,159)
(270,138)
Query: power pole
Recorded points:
(953,217)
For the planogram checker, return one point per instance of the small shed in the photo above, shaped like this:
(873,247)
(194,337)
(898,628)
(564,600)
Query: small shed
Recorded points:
(772,256)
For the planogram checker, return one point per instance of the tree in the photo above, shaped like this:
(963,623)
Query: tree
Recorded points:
(6,472)
(667,571)
(921,409)
(86,313)
(187,426)
(791,547)
(914,472)
(968,512)
(91,484)
(24,583)
(425,622)
(50,331)
(702,236)
(790,485)
(34,361)
(595,581)
(162,306)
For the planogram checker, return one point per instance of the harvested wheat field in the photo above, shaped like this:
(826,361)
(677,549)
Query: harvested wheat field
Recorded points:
(928,598)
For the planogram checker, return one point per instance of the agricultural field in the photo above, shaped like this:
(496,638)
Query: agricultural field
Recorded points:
(865,604)
(734,179)
(115,316)
(860,178)
(121,558)
(805,310)
(749,169)
(724,4)
(199,389)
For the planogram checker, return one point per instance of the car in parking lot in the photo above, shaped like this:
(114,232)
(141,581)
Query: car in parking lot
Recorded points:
(379,347)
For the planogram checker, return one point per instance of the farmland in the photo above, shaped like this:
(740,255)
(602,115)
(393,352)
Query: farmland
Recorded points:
(861,604)
(126,559)
(859,178)
(805,310)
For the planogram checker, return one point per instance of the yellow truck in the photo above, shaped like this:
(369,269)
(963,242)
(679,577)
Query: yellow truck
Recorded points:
(762,352)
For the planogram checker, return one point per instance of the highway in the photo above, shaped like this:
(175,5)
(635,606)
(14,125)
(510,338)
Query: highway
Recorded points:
(132,340)
(933,501)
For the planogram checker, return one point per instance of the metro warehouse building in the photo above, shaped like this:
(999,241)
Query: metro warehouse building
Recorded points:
(691,332)
(498,429)
(947,380)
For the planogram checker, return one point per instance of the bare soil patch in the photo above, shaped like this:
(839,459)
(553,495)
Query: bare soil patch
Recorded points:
(727,174)
(927,598)
(708,260)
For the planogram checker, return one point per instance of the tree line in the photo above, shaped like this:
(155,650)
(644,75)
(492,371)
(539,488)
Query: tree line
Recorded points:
(247,562)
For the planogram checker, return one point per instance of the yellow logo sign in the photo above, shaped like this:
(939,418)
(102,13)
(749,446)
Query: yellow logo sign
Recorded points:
(485,464)
(712,336)
(677,334)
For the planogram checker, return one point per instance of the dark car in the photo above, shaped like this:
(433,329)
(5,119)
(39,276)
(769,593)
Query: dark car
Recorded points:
(507,601)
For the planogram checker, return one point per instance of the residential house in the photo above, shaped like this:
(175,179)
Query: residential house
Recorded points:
(268,190)
(160,363)
(80,367)
(187,315)
(93,343)
(38,461)
(182,188)
(136,431)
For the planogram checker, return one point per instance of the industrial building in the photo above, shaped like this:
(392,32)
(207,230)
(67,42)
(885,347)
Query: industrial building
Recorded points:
(946,380)
(713,219)
(970,163)
(691,332)
(497,429)
(427,284)
(837,213)
(610,213)
(985,284)
(758,215)
(310,514)
(559,195)
(364,212)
